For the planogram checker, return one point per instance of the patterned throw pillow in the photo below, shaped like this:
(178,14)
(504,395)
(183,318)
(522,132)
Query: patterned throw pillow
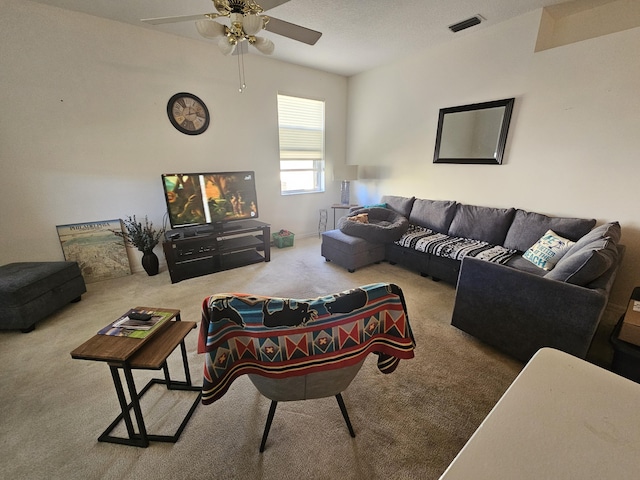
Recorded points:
(546,252)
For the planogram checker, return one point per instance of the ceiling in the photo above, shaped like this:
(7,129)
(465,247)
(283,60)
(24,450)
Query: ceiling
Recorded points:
(357,34)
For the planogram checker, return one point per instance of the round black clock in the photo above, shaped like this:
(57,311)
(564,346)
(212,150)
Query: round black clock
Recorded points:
(188,113)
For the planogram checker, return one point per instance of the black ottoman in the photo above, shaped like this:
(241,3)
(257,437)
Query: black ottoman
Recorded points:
(30,291)
(350,252)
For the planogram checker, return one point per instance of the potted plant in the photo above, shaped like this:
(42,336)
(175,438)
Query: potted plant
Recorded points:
(144,237)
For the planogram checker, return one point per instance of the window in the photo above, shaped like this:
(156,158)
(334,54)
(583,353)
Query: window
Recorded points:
(301,134)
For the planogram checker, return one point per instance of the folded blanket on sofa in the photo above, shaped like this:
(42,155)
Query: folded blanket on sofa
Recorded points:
(426,240)
(278,337)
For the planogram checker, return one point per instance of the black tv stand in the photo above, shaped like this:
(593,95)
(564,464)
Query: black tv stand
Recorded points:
(204,250)
(232,226)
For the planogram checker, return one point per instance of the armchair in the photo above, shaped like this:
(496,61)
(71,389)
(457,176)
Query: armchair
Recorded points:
(299,349)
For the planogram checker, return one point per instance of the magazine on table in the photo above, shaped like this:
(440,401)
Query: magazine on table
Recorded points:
(125,326)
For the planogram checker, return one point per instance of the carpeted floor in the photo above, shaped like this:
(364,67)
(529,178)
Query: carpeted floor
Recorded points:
(409,424)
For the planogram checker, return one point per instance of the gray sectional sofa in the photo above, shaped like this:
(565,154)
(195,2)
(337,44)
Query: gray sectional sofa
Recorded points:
(524,280)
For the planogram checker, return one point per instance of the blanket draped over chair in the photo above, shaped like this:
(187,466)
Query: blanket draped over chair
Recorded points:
(284,337)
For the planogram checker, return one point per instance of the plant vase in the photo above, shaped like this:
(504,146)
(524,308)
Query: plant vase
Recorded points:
(150,263)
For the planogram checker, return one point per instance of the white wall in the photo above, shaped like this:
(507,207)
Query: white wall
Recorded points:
(86,136)
(574,138)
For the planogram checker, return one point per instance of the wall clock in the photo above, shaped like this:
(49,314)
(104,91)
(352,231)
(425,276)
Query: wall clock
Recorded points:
(188,113)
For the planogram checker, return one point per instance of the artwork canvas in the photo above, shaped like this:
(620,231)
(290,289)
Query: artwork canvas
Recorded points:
(100,253)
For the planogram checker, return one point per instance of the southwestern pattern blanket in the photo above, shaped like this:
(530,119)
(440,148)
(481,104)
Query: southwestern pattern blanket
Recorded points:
(283,337)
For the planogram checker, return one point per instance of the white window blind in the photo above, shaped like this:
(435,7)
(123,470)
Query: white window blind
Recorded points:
(301,135)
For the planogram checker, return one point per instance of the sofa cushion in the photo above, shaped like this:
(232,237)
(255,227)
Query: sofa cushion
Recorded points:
(547,251)
(585,265)
(481,223)
(519,263)
(433,214)
(528,227)
(608,231)
(590,257)
(401,205)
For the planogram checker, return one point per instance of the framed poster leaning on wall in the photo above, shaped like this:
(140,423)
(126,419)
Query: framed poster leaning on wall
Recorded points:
(100,253)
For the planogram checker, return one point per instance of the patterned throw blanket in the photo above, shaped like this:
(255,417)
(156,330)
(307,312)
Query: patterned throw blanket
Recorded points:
(442,245)
(278,337)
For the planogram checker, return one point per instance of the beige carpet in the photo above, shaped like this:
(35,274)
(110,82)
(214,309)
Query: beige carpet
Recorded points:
(409,424)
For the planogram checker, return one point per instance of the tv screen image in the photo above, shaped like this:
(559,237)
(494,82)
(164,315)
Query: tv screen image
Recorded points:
(209,198)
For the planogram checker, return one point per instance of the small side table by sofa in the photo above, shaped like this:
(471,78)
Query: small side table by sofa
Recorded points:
(149,353)
(339,206)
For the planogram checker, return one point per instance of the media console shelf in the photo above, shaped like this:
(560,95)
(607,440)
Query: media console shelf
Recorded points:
(192,253)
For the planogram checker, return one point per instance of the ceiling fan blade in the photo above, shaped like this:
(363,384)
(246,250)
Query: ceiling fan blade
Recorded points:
(269,4)
(293,31)
(180,18)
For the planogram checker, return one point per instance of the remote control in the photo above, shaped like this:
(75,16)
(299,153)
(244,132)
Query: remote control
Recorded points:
(139,316)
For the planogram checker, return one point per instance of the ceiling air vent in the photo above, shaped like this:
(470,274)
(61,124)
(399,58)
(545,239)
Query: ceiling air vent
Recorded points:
(469,22)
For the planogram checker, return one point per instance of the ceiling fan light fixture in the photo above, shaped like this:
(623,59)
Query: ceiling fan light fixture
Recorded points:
(227,45)
(210,29)
(264,45)
(245,20)
(252,24)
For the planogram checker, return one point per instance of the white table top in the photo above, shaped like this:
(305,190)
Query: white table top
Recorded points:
(561,418)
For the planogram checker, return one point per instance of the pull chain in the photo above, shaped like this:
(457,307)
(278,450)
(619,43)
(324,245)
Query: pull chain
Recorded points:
(241,78)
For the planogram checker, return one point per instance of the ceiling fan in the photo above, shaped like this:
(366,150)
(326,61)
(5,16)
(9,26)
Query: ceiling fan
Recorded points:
(246,20)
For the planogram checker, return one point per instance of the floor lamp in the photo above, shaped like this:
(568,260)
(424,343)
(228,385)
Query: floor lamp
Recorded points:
(345,174)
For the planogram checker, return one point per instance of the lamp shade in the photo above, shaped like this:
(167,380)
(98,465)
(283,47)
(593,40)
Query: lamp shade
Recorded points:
(251,24)
(209,28)
(345,172)
(264,45)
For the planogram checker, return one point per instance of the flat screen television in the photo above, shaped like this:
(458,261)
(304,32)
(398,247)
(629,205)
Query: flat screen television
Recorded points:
(209,198)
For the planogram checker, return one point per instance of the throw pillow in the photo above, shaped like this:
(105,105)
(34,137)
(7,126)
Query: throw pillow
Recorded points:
(587,264)
(378,205)
(486,224)
(528,227)
(607,231)
(546,252)
(401,205)
(434,214)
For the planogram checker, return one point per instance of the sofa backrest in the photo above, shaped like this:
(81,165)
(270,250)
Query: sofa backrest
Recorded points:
(401,205)
(486,224)
(434,214)
(528,227)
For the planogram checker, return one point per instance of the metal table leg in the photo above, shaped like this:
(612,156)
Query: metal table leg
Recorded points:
(142,438)
(139,439)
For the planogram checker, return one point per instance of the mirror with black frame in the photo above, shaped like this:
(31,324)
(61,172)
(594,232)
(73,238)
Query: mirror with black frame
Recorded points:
(475,133)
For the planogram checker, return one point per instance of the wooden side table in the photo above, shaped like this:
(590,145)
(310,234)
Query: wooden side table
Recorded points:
(149,353)
(340,206)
